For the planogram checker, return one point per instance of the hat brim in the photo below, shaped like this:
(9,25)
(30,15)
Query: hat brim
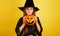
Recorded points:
(22,8)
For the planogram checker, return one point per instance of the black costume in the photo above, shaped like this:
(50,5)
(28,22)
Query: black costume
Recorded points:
(32,29)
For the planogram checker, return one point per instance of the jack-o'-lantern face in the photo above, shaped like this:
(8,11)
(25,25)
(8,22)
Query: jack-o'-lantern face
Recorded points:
(30,20)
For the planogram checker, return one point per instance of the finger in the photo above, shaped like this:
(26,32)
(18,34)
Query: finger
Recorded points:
(36,18)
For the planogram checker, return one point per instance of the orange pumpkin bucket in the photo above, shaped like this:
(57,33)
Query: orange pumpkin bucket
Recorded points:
(30,20)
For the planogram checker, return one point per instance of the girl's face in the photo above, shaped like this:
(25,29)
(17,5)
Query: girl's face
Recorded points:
(29,10)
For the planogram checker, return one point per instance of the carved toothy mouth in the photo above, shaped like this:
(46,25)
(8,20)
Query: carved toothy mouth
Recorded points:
(29,22)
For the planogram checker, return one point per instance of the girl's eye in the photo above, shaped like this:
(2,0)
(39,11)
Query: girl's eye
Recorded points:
(31,9)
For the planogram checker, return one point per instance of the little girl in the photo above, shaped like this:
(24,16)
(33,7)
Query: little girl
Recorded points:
(24,30)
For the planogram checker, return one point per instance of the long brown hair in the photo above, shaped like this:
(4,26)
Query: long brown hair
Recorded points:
(25,12)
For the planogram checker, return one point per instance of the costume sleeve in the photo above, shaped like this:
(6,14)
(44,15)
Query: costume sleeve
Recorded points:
(39,33)
(18,25)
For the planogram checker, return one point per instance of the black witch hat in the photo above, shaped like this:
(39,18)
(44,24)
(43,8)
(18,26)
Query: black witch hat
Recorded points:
(29,3)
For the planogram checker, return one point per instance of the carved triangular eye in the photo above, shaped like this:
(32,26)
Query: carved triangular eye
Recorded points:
(27,18)
(31,18)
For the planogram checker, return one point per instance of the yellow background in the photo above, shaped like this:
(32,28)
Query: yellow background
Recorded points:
(49,15)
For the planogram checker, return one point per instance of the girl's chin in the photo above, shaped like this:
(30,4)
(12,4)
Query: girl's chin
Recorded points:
(29,14)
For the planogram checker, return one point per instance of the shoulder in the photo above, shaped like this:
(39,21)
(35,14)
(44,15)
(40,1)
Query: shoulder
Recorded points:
(37,17)
(21,18)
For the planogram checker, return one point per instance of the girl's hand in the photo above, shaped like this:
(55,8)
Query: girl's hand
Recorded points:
(24,19)
(37,24)
(36,19)
(23,25)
